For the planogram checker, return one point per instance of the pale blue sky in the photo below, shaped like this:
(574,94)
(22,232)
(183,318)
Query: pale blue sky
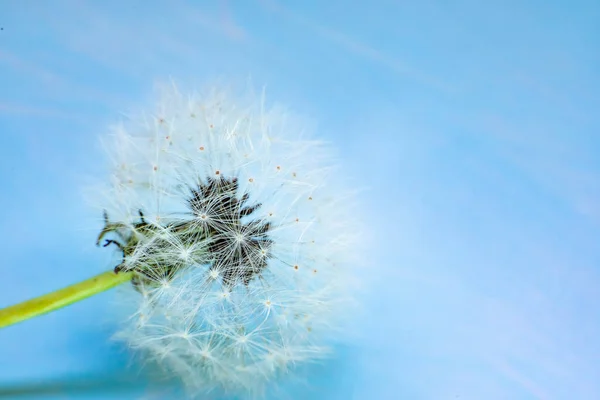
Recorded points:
(475,124)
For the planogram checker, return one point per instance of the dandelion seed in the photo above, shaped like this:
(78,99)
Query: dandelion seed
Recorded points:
(217,295)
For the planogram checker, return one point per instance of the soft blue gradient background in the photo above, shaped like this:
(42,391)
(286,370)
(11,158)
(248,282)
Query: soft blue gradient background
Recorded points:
(476,125)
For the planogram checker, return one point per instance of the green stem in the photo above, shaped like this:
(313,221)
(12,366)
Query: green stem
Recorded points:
(62,297)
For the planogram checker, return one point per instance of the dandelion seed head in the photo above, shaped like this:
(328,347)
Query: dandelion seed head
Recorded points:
(241,237)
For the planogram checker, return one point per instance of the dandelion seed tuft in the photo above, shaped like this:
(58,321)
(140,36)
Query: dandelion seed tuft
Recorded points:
(225,222)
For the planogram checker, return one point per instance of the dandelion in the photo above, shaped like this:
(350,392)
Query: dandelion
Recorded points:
(237,236)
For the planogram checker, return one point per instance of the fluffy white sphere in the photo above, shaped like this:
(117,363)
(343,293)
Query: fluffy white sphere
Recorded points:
(241,236)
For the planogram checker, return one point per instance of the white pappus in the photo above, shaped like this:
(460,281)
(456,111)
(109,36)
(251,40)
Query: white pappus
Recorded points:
(240,233)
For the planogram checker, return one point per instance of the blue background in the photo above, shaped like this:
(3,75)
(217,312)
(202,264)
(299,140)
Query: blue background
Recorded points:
(475,124)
